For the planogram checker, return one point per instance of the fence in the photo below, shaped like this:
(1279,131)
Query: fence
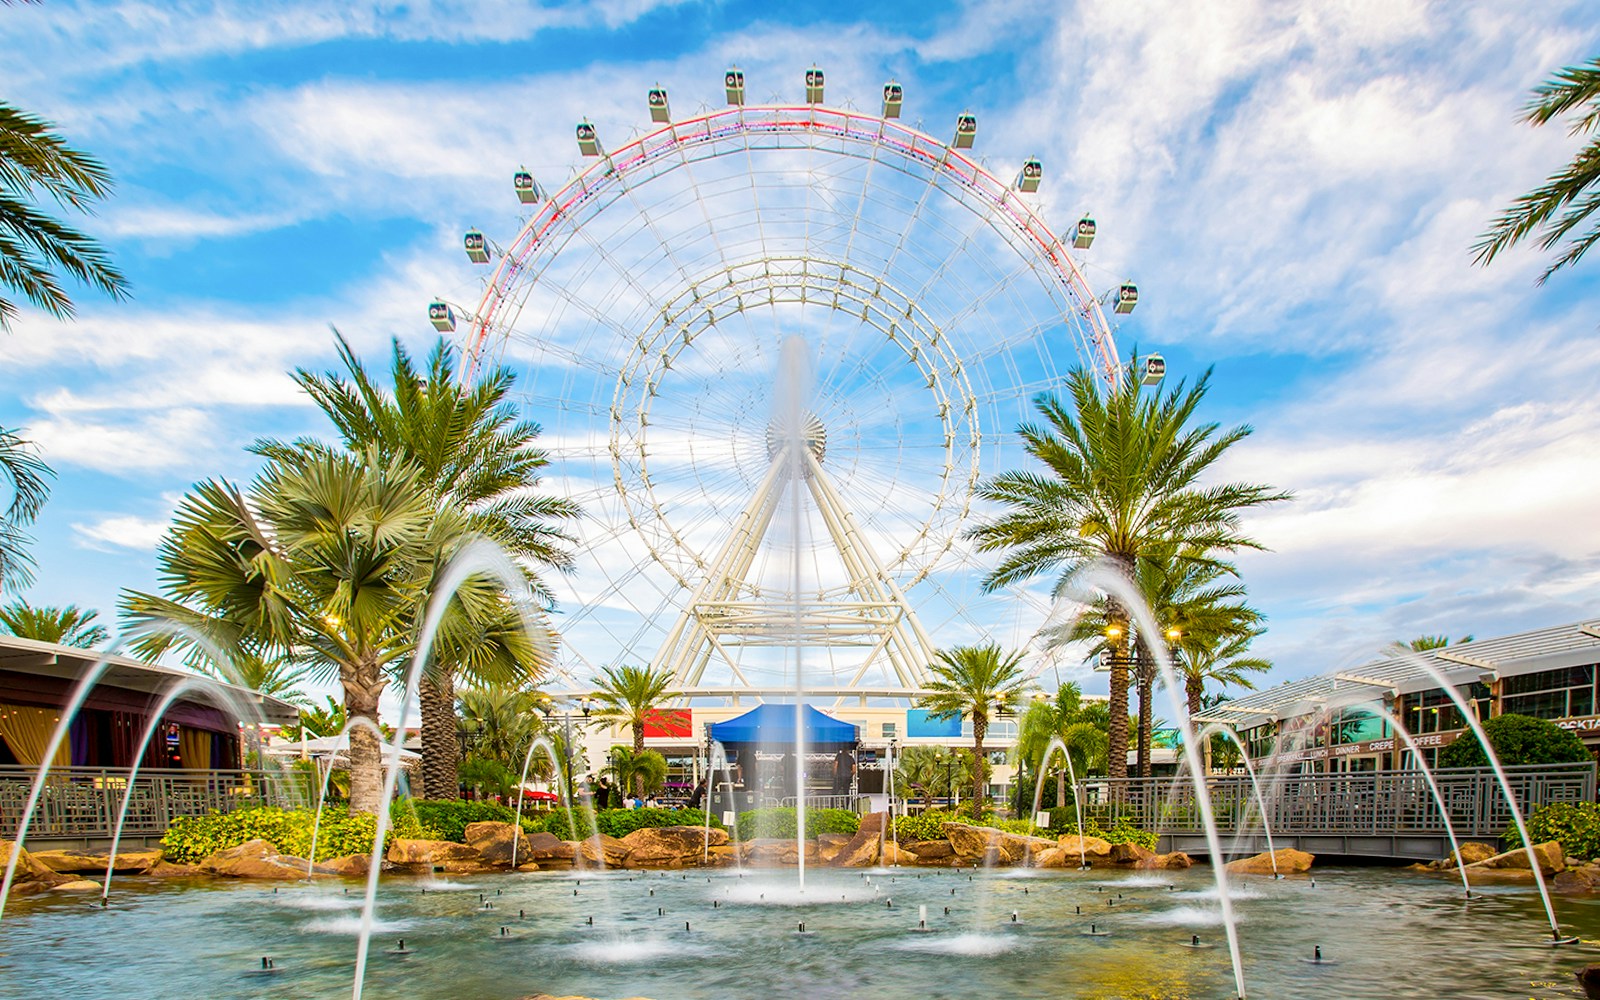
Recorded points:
(82,803)
(1371,803)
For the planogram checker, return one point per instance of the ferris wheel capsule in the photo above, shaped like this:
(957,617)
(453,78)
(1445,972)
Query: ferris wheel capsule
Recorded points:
(893,95)
(441,316)
(966,130)
(813,86)
(1084,237)
(477,248)
(588,139)
(660,111)
(527,191)
(1127,297)
(1028,180)
(1155,369)
(733,82)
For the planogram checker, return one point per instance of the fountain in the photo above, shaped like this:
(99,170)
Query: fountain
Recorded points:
(543,742)
(1433,787)
(788,414)
(1215,728)
(322,793)
(1077,798)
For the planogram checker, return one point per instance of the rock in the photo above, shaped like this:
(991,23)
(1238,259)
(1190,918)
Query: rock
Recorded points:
(1175,861)
(893,855)
(256,859)
(874,823)
(830,844)
(670,846)
(776,851)
(616,852)
(543,846)
(1550,856)
(929,850)
(31,876)
(862,851)
(1092,849)
(496,842)
(72,862)
(1289,862)
(1054,857)
(1471,853)
(1585,879)
(434,855)
(349,864)
(78,885)
(1131,854)
(981,845)
(166,869)
(1589,981)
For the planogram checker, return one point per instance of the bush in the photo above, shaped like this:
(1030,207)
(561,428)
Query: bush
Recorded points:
(1517,739)
(1063,823)
(450,817)
(191,839)
(612,822)
(1575,824)
(782,823)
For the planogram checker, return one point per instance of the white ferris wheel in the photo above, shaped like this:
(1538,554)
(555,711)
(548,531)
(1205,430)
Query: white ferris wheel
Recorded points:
(644,305)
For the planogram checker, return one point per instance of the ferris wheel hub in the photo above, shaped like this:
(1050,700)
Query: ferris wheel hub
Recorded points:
(813,434)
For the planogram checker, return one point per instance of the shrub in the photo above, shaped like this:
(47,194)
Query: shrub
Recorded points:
(191,839)
(1517,739)
(450,817)
(1063,823)
(612,822)
(1575,824)
(782,823)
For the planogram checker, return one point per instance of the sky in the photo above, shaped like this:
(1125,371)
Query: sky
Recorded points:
(1295,186)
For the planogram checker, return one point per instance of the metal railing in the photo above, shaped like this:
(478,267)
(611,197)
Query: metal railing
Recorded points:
(1373,802)
(83,802)
(849,802)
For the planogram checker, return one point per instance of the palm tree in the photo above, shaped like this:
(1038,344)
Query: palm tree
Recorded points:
(1122,479)
(26,478)
(645,770)
(471,451)
(1079,724)
(317,720)
(630,696)
(931,771)
(328,559)
(501,722)
(1423,643)
(68,626)
(35,249)
(1559,206)
(1225,662)
(976,683)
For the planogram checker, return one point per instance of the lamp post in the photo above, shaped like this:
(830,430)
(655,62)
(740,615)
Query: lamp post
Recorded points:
(891,766)
(566,741)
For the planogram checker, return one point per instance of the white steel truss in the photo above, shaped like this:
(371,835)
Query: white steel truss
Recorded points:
(727,611)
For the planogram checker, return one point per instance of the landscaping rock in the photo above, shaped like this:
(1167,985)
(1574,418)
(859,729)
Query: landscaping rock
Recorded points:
(669,846)
(256,859)
(830,844)
(981,845)
(1589,981)
(1549,855)
(1093,848)
(1131,854)
(1175,861)
(1584,879)
(776,851)
(430,855)
(1054,857)
(495,842)
(929,850)
(893,855)
(1289,862)
(1471,853)
(167,869)
(73,862)
(862,851)
(349,864)
(31,875)
(78,885)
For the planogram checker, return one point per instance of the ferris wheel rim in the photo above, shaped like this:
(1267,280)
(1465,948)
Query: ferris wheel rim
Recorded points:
(614,167)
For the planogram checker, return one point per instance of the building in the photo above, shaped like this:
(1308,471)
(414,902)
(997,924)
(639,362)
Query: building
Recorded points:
(1339,722)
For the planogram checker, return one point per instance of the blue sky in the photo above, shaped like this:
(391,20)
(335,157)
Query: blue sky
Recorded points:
(1294,185)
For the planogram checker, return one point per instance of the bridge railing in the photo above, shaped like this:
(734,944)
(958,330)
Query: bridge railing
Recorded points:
(83,802)
(1372,802)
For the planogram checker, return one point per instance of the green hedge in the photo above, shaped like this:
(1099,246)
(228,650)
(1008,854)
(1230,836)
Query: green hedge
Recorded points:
(1517,740)
(612,822)
(451,817)
(782,823)
(191,839)
(929,825)
(1575,824)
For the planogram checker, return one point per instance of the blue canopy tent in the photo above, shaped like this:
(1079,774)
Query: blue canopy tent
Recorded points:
(773,725)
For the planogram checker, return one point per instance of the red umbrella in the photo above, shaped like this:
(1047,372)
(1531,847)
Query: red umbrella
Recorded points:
(541,796)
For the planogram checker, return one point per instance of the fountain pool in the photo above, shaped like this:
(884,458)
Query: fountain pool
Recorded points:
(1383,934)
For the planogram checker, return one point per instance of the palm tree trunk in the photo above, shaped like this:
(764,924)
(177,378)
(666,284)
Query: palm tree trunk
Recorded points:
(1061,784)
(638,748)
(441,751)
(363,683)
(1147,682)
(1117,703)
(980,765)
(1194,688)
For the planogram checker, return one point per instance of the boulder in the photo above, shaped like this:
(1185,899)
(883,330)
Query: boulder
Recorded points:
(349,864)
(830,844)
(1289,862)
(616,852)
(776,851)
(547,847)
(874,823)
(894,855)
(1550,857)
(1589,981)
(1583,879)
(495,842)
(981,845)
(669,846)
(1471,853)
(1175,861)
(434,855)
(167,869)
(862,851)
(1089,849)
(1130,854)
(929,850)
(31,876)
(256,859)
(73,862)
(78,885)
(1054,857)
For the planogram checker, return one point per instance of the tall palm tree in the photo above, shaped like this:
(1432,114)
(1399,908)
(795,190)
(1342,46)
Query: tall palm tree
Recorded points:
(501,722)
(1122,478)
(27,479)
(1564,201)
(68,626)
(471,451)
(37,165)
(329,559)
(930,771)
(1078,723)
(630,696)
(645,770)
(1423,643)
(976,683)
(1225,661)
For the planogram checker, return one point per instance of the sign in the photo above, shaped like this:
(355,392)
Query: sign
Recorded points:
(730,819)
(1585,725)
(674,723)
(1042,819)
(1426,741)
(918,724)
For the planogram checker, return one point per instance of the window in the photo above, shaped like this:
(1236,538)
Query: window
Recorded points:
(1550,694)
(1357,724)
(889,730)
(1434,712)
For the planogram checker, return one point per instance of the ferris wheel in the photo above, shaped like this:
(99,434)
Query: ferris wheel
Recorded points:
(645,306)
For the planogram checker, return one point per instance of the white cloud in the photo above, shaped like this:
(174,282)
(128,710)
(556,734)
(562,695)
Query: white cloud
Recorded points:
(123,531)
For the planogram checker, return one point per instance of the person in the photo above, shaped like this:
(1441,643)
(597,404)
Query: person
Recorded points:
(602,794)
(699,794)
(651,803)
(843,765)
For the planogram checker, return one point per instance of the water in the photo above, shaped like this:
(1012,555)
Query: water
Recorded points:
(1388,933)
(1205,734)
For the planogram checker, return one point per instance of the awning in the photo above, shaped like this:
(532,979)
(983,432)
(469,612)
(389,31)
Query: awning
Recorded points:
(774,725)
